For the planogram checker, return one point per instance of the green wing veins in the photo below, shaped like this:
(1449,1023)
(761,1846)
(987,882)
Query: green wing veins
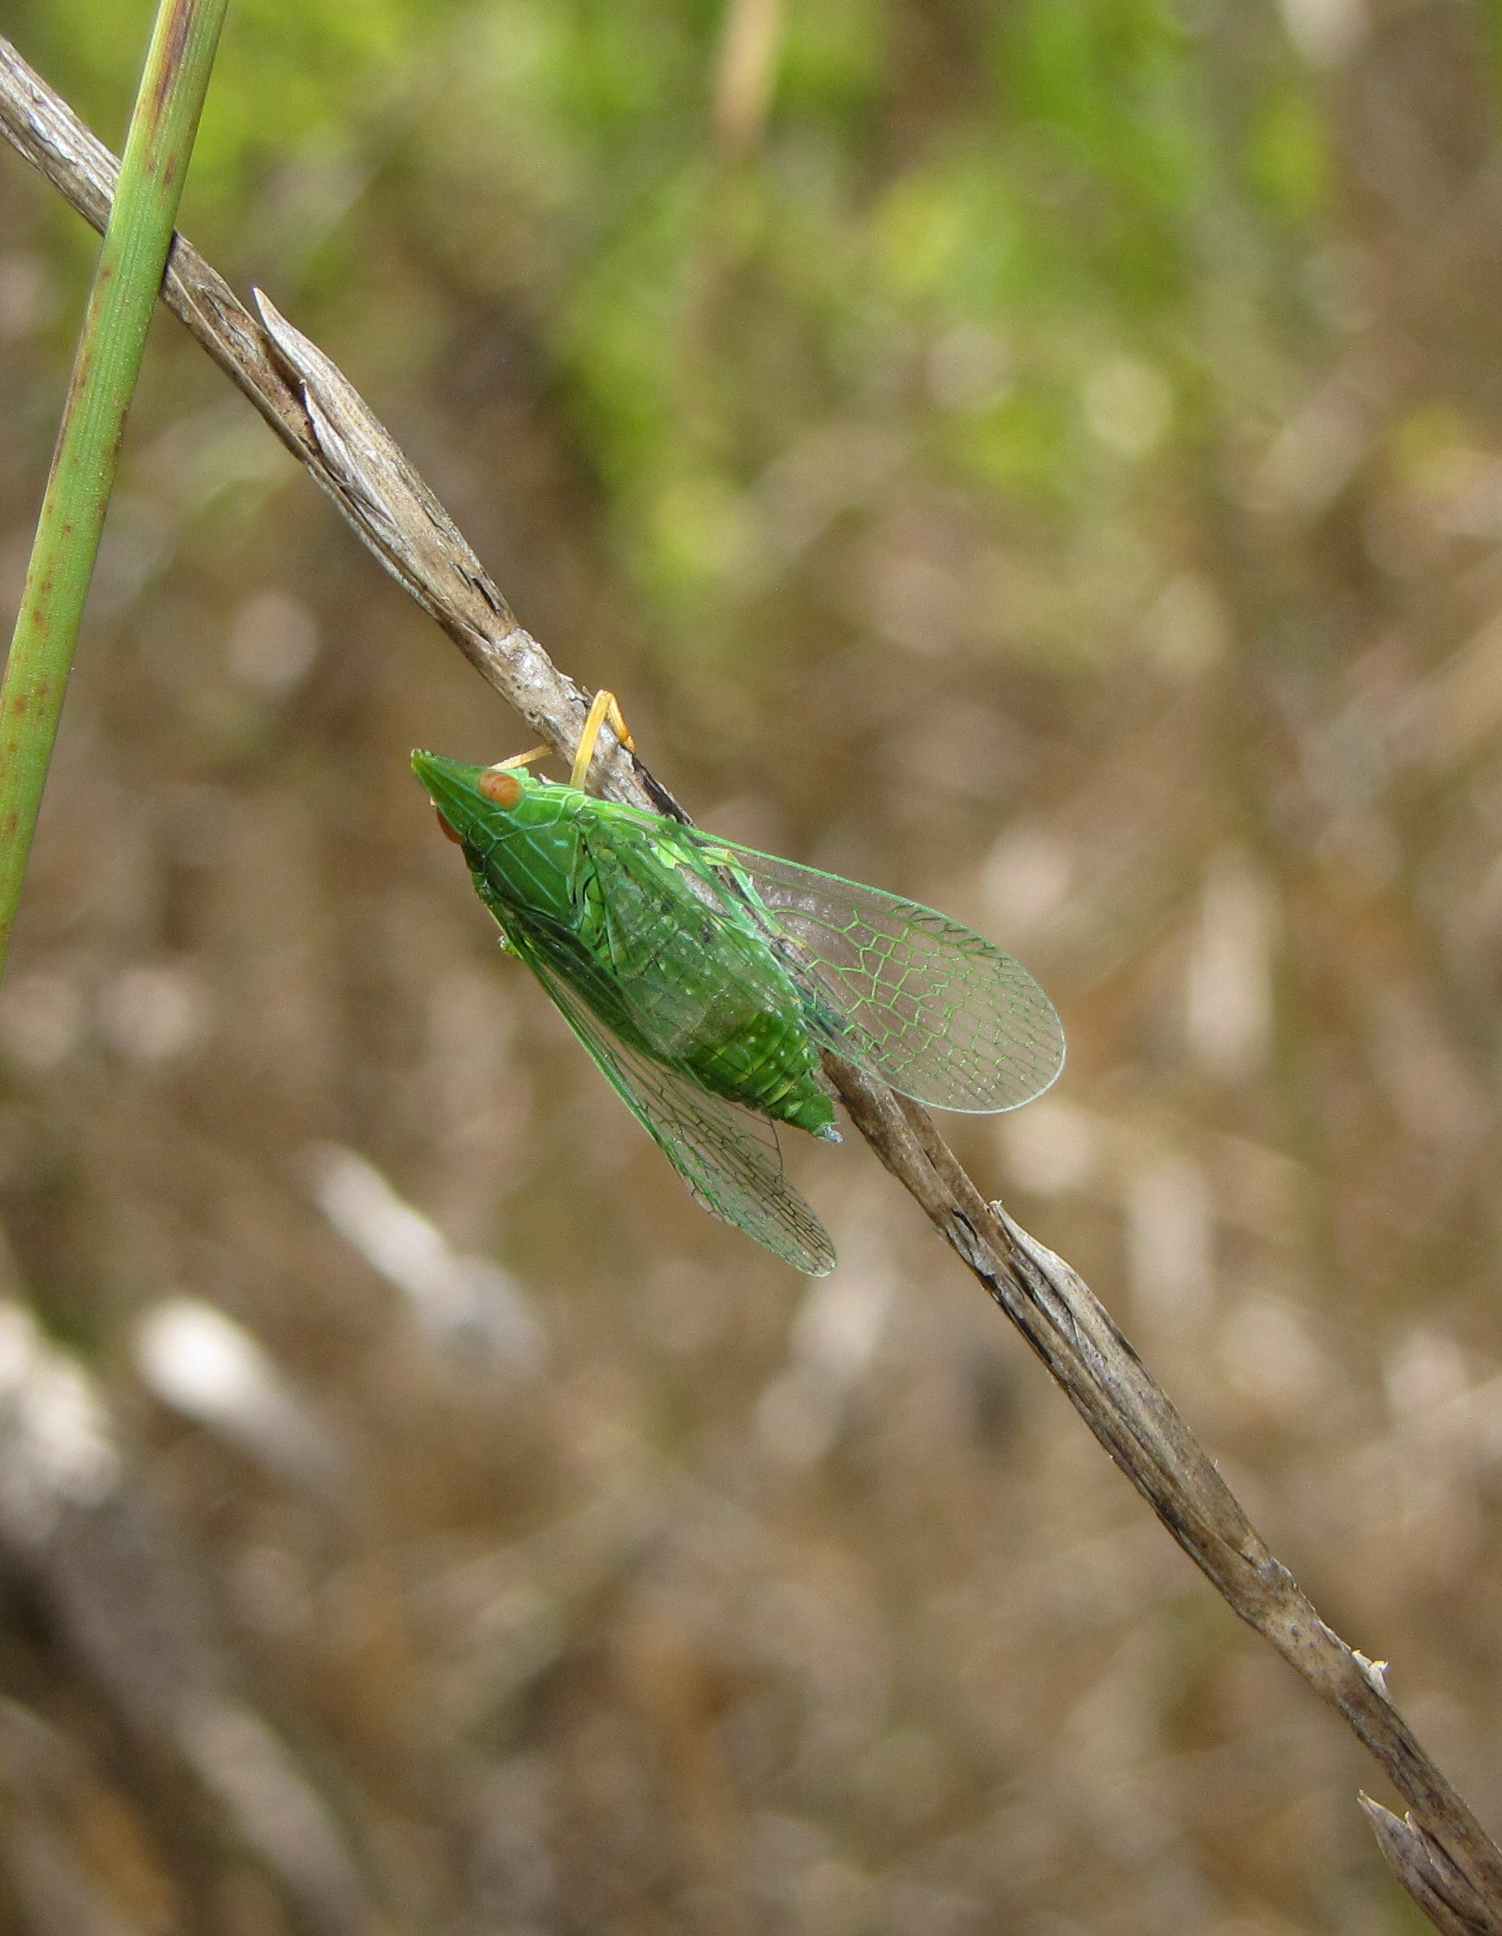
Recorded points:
(930,1006)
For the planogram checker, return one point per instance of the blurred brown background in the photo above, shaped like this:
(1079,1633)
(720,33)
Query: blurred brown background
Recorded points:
(1044,458)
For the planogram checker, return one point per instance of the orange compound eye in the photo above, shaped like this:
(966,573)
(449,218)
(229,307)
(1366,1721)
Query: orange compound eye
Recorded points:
(500,788)
(446,830)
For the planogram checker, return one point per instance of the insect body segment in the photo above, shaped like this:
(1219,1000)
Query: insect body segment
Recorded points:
(705,978)
(703,991)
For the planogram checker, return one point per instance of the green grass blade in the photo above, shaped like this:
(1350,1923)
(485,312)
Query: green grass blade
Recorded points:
(127,282)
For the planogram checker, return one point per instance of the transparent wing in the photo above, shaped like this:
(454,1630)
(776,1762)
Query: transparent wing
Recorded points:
(924,1002)
(730,1162)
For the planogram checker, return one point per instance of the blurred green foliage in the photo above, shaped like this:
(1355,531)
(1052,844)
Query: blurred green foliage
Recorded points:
(964,211)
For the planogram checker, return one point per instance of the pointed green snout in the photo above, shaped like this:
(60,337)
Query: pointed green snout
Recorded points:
(454,789)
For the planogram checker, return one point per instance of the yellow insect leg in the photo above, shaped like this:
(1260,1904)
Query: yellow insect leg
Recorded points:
(522,759)
(604,711)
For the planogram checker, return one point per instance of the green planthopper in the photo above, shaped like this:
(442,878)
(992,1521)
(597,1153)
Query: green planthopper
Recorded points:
(705,978)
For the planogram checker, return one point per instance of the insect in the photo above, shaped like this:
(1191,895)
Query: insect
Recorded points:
(705,978)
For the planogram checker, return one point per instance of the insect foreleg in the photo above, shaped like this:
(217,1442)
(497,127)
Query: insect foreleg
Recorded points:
(528,758)
(604,711)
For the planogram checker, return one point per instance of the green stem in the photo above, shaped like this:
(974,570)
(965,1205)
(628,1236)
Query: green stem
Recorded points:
(110,346)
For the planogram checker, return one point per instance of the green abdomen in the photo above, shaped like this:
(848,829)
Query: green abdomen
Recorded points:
(769,1064)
